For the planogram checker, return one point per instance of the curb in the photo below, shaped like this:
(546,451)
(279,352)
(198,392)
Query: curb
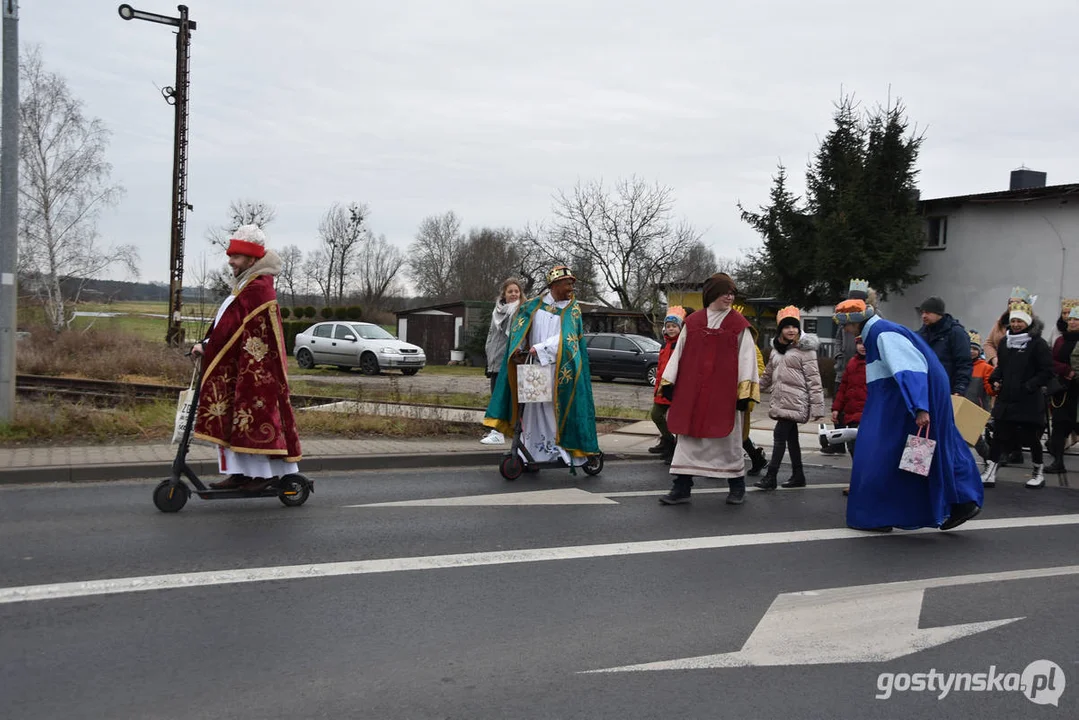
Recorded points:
(208,468)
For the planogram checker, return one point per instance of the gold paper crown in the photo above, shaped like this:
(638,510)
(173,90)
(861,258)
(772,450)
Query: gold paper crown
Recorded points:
(1022,307)
(975,338)
(788,312)
(559,272)
(1069,303)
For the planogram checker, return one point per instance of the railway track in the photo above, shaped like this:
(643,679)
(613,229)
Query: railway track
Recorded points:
(108,392)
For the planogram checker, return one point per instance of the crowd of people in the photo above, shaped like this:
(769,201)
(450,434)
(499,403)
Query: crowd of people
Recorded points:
(891,384)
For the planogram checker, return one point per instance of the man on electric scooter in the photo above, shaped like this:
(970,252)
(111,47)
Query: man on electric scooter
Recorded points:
(244,405)
(548,330)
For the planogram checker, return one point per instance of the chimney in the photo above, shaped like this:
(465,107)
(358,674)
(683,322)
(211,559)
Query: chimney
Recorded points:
(1025,179)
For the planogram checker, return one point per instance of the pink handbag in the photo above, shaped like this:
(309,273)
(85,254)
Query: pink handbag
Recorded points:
(918,453)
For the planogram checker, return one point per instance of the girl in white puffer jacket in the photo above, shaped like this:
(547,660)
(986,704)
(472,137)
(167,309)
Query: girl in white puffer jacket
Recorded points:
(793,376)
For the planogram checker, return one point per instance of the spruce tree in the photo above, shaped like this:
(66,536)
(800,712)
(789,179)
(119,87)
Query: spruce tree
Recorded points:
(859,217)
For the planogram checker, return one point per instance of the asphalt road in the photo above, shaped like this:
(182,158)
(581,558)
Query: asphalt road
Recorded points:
(507,610)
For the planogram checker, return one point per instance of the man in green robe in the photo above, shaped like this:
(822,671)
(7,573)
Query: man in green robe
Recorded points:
(547,330)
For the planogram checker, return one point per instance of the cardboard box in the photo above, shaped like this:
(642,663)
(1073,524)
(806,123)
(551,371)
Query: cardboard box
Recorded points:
(969,418)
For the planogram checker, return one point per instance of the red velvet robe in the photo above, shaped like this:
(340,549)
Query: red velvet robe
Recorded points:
(244,398)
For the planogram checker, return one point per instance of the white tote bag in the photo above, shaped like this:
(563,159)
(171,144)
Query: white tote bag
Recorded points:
(183,410)
(535,382)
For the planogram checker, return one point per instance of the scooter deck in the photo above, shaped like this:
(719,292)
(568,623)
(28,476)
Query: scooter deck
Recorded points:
(232,494)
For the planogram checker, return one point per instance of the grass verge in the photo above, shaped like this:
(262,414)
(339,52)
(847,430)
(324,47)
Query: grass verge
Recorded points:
(42,422)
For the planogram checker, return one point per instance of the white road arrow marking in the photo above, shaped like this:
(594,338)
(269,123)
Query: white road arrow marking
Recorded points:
(867,623)
(562,496)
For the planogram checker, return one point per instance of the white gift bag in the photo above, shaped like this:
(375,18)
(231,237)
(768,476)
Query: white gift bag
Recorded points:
(535,382)
(183,410)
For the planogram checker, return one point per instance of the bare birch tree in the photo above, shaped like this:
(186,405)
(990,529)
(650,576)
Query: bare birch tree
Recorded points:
(340,232)
(64,184)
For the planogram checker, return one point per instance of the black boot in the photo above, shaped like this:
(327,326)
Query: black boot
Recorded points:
(757,461)
(769,481)
(736,495)
(798,479)
(834,450)
(680,491)
(662,447)
(1056,467)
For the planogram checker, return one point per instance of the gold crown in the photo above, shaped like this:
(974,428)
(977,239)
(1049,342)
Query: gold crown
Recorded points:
(559,272)
(1069,303)
(1022,307)
(975,338)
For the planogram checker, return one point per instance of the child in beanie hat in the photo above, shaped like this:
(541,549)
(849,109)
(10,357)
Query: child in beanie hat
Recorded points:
(672,328)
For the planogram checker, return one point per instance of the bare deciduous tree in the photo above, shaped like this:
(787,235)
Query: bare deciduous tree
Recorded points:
(318,272)
(378,265)
(242,212)
(65,183)
(431,255)
(483,261)
(291,267)
(340,232)
(630,238)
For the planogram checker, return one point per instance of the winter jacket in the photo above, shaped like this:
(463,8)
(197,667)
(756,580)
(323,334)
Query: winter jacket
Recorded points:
(793,377)
(1063,348)
(850,397)
(1022,373)
(1000,329)
(981,390)
(661,365)
(498,335)
(950,342)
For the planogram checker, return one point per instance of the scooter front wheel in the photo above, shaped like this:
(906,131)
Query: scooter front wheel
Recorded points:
(170,497)
(511,467)
(295,489)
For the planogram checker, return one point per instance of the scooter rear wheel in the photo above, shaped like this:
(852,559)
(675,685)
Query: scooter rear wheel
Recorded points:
(594,465)
(511,467)
(294,490)
(170,497)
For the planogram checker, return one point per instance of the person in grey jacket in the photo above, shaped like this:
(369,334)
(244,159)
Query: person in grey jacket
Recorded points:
(949,341)
(793,377)
(846,347)
(509,299)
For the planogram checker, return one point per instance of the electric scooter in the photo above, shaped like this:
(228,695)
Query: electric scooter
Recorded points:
(171,495)
(519,461)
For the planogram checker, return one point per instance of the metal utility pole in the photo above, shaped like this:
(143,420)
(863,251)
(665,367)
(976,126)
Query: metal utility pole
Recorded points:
(9,208)
(177,97)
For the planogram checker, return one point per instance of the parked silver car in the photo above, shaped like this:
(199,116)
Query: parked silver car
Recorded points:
(356,344)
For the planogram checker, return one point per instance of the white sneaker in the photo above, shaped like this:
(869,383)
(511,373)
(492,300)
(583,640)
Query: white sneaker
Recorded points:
(1037,478)
(494,438)
(989,477)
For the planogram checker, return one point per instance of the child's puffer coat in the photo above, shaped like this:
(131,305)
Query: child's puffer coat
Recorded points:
(793,376)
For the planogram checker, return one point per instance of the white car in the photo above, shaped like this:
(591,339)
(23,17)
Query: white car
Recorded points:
(356,344)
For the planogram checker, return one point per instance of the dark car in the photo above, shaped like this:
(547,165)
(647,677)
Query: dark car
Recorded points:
(612,355)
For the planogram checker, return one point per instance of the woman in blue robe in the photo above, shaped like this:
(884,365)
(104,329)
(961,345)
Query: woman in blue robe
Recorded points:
(907,389)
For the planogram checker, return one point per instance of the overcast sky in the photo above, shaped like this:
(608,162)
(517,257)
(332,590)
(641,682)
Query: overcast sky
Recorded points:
(487,107)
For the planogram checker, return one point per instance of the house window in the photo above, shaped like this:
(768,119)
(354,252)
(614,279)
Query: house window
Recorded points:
(936,232)
(810,325)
